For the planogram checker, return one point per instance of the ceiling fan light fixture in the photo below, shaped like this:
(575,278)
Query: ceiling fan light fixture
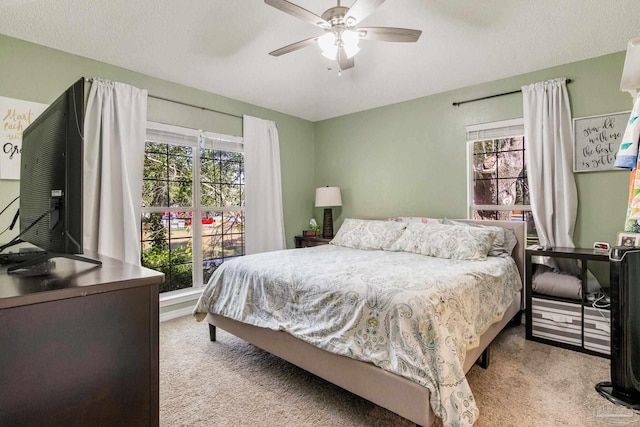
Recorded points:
(350,40)
(331,52)
(329,45)
(341,38)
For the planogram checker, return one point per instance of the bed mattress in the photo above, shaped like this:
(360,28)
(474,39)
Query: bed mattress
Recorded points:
(412,315)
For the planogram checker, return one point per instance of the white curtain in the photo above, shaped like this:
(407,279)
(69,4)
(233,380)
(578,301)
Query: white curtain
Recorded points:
(264,221)
(114,129)
(549,139)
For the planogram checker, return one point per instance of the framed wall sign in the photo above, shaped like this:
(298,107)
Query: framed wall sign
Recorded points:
(597,139)
(15,116)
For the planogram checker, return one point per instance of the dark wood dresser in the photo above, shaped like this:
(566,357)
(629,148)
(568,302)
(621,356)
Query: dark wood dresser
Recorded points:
(79,346)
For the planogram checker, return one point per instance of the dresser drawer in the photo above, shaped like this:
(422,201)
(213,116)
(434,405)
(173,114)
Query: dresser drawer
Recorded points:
(557,321)
(597,330)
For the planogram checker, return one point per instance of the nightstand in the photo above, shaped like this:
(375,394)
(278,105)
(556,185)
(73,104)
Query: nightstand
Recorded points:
(574,324)
(307,241)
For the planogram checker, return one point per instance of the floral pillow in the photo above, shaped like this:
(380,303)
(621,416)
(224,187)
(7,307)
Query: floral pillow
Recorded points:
(368,234)
(503,244)
(446,241)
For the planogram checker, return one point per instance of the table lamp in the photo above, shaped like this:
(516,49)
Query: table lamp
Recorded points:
(327,197)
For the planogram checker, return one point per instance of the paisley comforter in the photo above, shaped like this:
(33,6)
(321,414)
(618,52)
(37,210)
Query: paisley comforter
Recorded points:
(409,314)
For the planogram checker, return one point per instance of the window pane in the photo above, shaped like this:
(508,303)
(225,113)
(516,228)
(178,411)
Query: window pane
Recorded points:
(230,172)
(484,165)
(499,173)
(482,147)
(155,165)
(167,247)
(180,277)
(180,150)
(507,191)
(155,147)
(221,178)
(180,193)
(510,163)
(222,236)
(232,195)
(522,190)
(154,232)
(209,196)
(180,168)
(485,192)
(155,193)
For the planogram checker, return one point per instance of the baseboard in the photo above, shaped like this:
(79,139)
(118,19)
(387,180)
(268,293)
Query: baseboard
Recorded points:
(178,303)
(172,314)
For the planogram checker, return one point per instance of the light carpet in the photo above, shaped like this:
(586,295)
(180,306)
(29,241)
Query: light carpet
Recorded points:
(232,383)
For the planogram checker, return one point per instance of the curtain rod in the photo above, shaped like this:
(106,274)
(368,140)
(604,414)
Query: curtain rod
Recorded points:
(457,104)
(90,79)
(193,106)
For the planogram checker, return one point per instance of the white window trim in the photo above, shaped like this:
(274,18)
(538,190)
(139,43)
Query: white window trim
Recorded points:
(494,130)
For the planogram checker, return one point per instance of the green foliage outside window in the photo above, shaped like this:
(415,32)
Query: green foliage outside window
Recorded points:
(167,236)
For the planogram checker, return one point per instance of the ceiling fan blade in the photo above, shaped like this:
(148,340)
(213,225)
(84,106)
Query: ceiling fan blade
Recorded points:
(344,62)
(388,34)
(293,46)
(298,12)
(360,10)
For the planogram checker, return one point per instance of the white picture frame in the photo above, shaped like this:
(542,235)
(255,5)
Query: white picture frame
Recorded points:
(628,239)
(596,141)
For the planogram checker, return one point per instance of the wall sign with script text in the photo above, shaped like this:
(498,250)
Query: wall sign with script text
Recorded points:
(597,139)
(15,116)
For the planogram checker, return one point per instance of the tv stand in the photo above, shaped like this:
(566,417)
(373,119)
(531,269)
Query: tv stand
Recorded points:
(80,347)
(46,256)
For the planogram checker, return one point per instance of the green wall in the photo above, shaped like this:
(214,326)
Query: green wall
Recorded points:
(403,159)
(39,74)
(410,158)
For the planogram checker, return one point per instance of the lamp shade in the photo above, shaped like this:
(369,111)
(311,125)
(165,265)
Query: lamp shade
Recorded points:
(328,196)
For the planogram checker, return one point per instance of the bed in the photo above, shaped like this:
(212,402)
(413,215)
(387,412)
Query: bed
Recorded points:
(386,341)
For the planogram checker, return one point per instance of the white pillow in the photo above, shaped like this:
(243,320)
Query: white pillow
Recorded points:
(446,241)
(504,242)
(368,234)
(412,219)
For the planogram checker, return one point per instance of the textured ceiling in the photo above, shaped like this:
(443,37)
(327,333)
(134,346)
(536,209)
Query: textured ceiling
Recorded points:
(222,46)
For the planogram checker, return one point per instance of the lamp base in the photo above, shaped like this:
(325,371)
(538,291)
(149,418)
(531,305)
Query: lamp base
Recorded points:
(327,226)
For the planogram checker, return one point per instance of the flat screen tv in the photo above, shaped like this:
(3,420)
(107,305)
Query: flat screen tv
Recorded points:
(51,175)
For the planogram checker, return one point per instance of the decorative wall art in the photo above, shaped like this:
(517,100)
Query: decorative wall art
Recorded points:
(597,139)
(15,116)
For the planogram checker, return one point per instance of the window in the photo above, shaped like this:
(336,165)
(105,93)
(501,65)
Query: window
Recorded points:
(498,179)
(193,204)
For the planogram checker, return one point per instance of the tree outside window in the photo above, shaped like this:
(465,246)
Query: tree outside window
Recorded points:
(192,213)
(499,181)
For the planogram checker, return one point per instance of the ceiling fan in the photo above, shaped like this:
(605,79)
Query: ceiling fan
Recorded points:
(340,41)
